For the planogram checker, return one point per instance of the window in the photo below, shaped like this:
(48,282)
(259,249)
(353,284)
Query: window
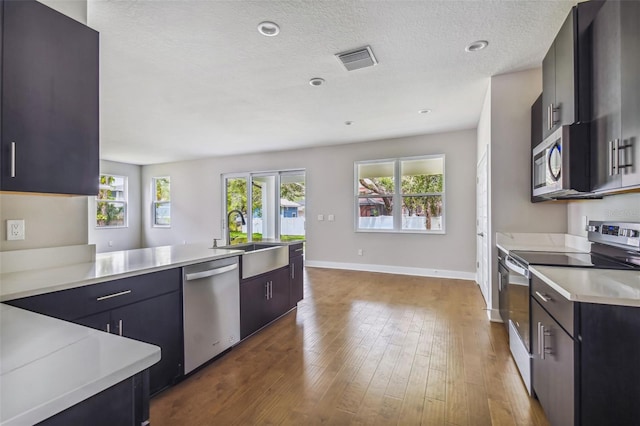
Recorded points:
(271,206)
(162,201)
(111,202)
(415,184)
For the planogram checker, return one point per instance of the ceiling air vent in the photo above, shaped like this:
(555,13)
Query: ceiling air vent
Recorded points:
(358,58)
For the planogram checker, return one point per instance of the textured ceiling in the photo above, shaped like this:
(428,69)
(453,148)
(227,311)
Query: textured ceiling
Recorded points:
(190,79)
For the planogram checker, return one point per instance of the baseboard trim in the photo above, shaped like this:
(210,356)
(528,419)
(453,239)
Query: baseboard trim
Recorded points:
(494,315)
(399,270)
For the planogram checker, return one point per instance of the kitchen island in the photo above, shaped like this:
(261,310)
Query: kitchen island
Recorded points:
(48,365)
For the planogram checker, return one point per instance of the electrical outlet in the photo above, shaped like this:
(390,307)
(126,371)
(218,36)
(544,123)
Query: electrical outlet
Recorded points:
(320,217)
(15,229)
(359,252)
(331,218)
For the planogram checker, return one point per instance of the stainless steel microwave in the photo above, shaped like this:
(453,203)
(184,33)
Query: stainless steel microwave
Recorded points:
(560,164)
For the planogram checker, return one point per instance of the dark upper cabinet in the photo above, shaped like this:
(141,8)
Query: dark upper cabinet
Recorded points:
(50,135)
(566,72)
(615,88)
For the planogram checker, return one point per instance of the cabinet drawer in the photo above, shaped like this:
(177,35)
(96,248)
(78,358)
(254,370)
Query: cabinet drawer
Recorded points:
(296,250)
(560,308)
(83,301)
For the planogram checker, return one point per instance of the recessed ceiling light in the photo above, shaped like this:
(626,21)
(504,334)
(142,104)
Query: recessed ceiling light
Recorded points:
(317,81)
(348,123)
(424,111)
(269,29)
(477,45)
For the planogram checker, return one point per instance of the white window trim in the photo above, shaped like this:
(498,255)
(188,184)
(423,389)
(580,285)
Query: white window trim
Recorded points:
(124,202)
(155,202)
(397,197)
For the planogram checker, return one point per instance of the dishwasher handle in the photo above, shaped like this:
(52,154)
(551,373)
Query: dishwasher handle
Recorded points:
(210,272)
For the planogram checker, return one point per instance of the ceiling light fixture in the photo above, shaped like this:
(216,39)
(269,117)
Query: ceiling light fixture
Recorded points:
(476,45)
(348,123)
(269,29)
(424,111)
(316,81)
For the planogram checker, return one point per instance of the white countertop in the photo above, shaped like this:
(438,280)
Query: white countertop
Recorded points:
(48,365)
(604,286)
(106,267)
(542,242)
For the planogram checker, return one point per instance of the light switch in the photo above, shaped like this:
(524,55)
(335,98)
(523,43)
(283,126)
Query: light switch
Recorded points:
(331,218)
(15,229)
(320,217)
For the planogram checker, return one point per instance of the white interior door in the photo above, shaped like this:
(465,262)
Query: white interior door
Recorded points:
(482,237)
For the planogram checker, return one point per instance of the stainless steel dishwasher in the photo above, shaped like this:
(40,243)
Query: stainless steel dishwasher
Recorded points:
(211,310)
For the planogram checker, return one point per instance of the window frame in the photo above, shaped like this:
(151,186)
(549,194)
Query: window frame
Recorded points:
(249,176)
(124,202)
(398,196)
(155,203)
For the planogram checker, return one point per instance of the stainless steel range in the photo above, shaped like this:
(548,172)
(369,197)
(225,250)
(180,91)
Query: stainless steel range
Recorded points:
(615,245)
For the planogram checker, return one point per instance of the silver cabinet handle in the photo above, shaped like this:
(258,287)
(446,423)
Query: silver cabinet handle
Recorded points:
(499,281)
(13,159)
(610,151)
(616,156)
(108,328)
(266,289)
(270,289)
(553,117)
(544,297)
(542,352)
(109,296)
(120,327)
(293,272)
(297,250)
(539,340)
(546,350)
(549,117)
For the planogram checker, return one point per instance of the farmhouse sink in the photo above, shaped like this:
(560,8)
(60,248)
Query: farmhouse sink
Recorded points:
(259,258)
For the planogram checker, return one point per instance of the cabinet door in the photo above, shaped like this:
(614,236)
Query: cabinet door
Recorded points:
(297,280)
(605,92)
(101,321)
(553,375)
(157,321)
(253,299)
(49,102)
(565,73)
(548,88)
(630,74)
(279,294)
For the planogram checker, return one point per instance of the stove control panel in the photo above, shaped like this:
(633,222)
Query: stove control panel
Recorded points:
(620,234)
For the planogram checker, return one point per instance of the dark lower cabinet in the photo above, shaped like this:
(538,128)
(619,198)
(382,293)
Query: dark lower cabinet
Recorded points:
(553,367)
(296,265)
(610,355)
(263,299)
(147,308)
(123,404)
(50,116)
(155,321)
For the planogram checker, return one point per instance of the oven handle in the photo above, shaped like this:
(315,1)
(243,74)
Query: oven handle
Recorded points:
(511,264)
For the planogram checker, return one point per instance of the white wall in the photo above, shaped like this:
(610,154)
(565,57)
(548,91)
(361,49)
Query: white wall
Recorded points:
(621,208)
(112,239)
(509,166)
(197,210)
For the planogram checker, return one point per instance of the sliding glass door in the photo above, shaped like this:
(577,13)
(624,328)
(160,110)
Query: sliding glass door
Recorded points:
(270,204)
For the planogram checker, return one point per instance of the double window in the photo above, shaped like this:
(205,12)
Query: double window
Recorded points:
(271,205)
(111,202)
(400,195)
(161,201)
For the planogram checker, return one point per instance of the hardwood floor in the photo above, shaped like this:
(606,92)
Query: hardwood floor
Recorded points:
(363,348)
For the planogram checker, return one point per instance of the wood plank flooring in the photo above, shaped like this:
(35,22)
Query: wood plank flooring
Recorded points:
(363,348)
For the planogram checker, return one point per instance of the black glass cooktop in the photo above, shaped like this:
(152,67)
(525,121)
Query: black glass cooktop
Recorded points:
(581,260)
